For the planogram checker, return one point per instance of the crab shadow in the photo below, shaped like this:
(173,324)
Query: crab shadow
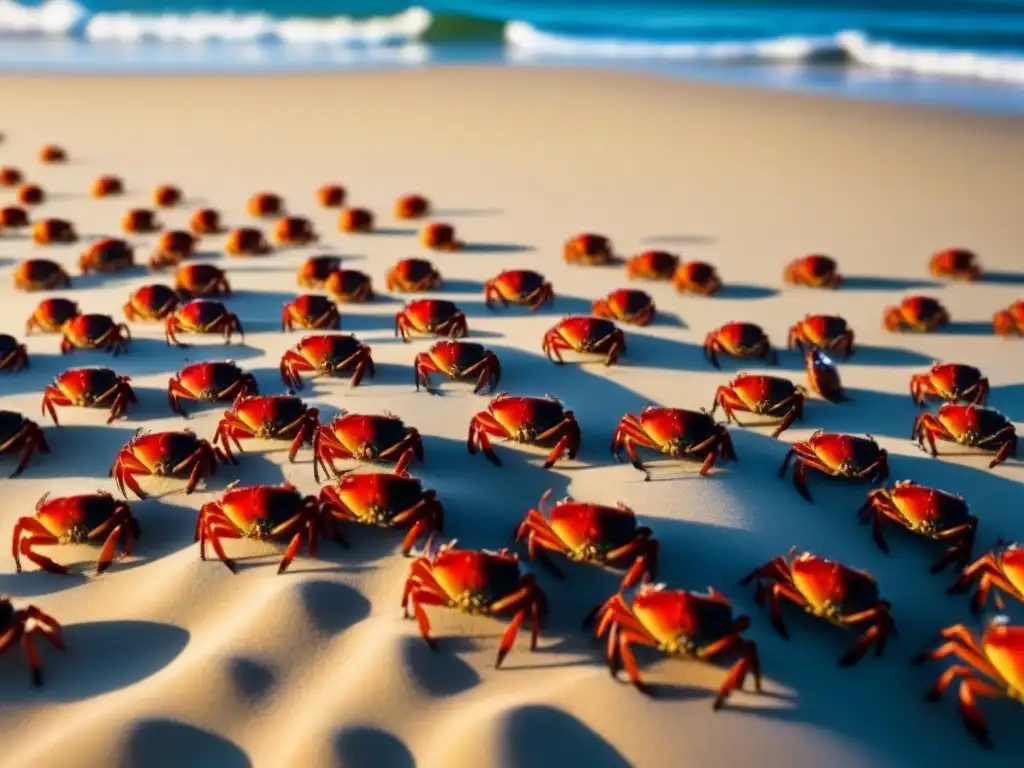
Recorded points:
(158,742)
(746,292)
(560,307)
(385,374)
(1009,400)
(460,286)
(873,283)
(33,583)
(89,448)
(966,328)
(864,354)
(479,248)
(867,411)
(441,673)
(94,280)
(467,212)
(544,736)
(366,746)
(679,239)
(996,277)
(151,356)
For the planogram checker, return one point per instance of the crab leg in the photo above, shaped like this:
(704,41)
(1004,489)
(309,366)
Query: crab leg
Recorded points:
(419,597)
(31,439)
(23,545)
(989,580)
(627,637)
(772,595)
(972,656)
(490,373)
(483,425)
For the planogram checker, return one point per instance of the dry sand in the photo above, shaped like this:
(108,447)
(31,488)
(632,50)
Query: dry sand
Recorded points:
(176,661)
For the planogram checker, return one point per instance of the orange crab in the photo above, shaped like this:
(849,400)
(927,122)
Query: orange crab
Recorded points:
(166,196)
(331,196)
(10,176)
(458,360)
(739,340)
(172,247)
(951,383)
(1009,321)
(697,277)
(246,241)
(164,454)
(813,271)
(95,331)
(823,376)
(992,665)
(927,512)
(828,332)
(518,286)
(362,437)
(355,220)
(52,154)
(199,280)
(264,205)
(675,432)
(972,426)
(22,626)
(93,387)
(315,270)
(476,582)
(652,265)
(209,382)
(294,230)
(54,231)
(51,314)
(433,317)
(13,217)
(310,311)
(40,275)
(438,236)
(13,356)
(837,455)
(140,221)
(20,434)
(108,255)
(151,302)
(763,396)
(923,314)
(260,512)
(957,263)
(589,250)
(31,194)
(205,221)
(349,286)
(413,276)
(528,420)
(1002,568)
(412,207)
(202,316)
(267,417)
(843,596)
(586,335)
(77,519)
(326,354)
(106,186)
(627,305)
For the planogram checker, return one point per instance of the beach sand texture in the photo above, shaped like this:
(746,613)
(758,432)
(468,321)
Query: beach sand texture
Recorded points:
(172,660)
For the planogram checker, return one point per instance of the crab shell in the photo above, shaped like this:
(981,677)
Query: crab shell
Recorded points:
(590,531)
(294,230)
(410,275)
(970,424)
(957,263)
(366,436)
(265,204)
(315,270)
(51,153)
(93,331)
(355,220)
(375,498)
(196,280)
(587,334)
(1003,645)
(51,314)
(211,382)
(830,588)
(438,236)
(13,217)
(814,271)
(151,302)
(106,186)
(90,387)
(823,375)
(349,286)
(671,427)
(628,305)
(246,241)
(588,249)
(13,356)
(652,265)
(523,418)
(453,358)
(762,394)
(256,510)
(519,286)
(31,194)
(1009,321)
(331,196)
(697,277)
(166,196)
(52,231)
(201,316)
(427,315)
(951,382)
(205,221)
(740,339)
(929,510)
(70,518)
(162,452)
(412,207)
(843,454)
(10,176)
(172,247)
(111,254)
(474,579)
(40,275)
(310,311)
(823,331)
(140,221)
(267,414)
(916,313)
(324,353)
(676,617)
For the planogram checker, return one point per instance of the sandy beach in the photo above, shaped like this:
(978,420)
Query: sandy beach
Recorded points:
(175,661)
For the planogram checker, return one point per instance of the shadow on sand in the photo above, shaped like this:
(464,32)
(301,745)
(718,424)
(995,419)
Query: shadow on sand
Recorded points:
(543,736)
(366,746)
(159,742)
(995,277)
(869,283)
(496,248)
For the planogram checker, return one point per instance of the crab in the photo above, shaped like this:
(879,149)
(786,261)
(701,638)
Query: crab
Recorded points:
(202,316)
(370,438)
(590,533)
(476,582)
(355,220)
(843,596)
(1002,568)
(1009,321)
(349,286)
(326,354)
(837,455)
(164,454)
(739,340)
(310,311)
(13,355)
(196,280)
(52,154)
(823,376)
(95,331)
(13,217)
(957,263)
(106,186)
(167,196)
(828,332)
(385,500)
(992,665)
(972,426)
(697,277)
(923,314)
(31,194)
(172,247)
(260,512)
(92,387)
(928,512)
(652,265)
(246,241)
(586,335)
(40,275)
(140,221)
(440,237)
(626,305)
(331,196)
(315,270)
(435,317)
(458,359)
(209,382)
(267,417)
(77,519)
(413,276)
(589,250)
(265,205)
(108,255)
(205,221)
(21,626)
(151,302)
(763,396)
(813,271)
(294,230)
(20,434)
(951,383)
(10,176)
(518,286)
(411,207)
(54,231)
(50,315)
(675,432)
(528,420)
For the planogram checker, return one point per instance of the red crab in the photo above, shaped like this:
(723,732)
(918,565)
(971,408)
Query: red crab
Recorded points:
(92,387)
(362,437)
(813,271)
(823,376)
(413,276)
(529,420)
(111,254)
(836,455)
(957,263)
(21,626)
(13,217)
(927,512)
(627,305)
(205,221)
(40,275)
(315,269)
(438,236)
(294,230)
(697,277)
(1009,321)
(151,303)
(355,220)
(164,454)
(310,311)
(828,332)
(20,434)
(209,382)
(385,500)
(92,331)
(172,247)
(652,265)
(971,426)
(260,512)
(763,396)
(739,340)
(140,221)
(267,417)
(247,241)
(1002,568)
(916,313)
(476,582)
(951,383)
(75,520)
(675,432)
(349,285)
(458,360)
(197,280)
(843,596)
(50,314)
(585,335)
(435,317)
(589,250)
(990,666)
(518,286)
(202,316)
(326,354)
(590,533)
(331,195)
(13,356)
